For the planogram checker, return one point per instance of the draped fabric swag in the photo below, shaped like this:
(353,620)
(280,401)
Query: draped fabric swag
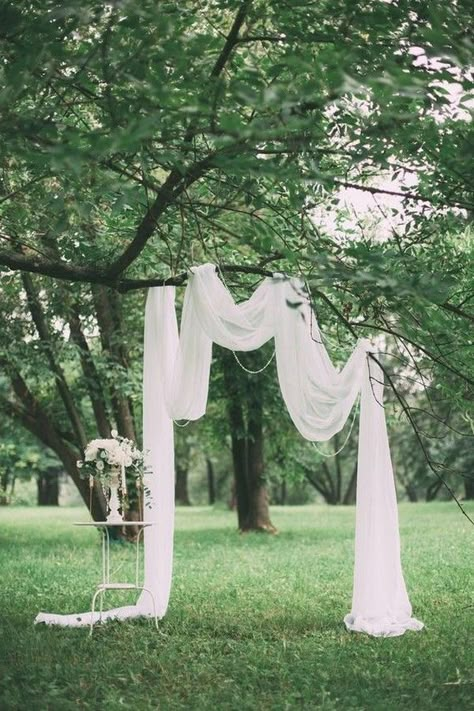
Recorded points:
(319,399)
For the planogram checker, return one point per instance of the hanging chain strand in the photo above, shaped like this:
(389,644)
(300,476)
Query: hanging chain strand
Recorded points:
(260,370)
(247,370)
(334,454)
(254,372)
(184,424)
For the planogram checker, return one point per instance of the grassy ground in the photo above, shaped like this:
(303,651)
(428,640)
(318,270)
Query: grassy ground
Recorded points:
(255,622)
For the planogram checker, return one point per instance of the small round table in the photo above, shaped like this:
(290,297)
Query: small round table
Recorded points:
(106,583)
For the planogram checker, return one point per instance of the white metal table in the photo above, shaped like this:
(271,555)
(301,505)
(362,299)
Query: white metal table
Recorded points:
(106,583)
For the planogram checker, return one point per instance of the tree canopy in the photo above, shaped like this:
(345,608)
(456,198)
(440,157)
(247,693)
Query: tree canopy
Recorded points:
(138,138)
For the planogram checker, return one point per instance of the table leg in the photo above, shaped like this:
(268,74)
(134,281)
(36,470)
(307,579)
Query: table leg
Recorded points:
(137,558)
(107,555)
(154,605)
(104,555)
(97,592)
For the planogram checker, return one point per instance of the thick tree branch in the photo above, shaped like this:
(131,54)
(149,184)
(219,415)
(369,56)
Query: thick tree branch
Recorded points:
(17,261)
(232,39)
(34,419)
(91,376)
(39,319)
(66,272)
(178,180)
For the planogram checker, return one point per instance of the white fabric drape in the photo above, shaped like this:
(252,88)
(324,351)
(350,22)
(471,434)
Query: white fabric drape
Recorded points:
(319,399)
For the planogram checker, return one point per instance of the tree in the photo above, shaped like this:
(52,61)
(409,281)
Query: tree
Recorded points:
(245,399)
(137,138)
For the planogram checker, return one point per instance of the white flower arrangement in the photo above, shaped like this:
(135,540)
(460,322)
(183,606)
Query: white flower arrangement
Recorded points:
(105,459)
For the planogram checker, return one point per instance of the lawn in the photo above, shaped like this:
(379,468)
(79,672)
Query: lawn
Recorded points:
(255,622)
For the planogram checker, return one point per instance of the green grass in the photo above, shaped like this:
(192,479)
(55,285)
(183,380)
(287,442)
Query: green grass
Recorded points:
(254,623)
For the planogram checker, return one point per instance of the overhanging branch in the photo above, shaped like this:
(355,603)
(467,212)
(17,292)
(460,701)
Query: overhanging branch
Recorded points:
(178,180)
(18,262)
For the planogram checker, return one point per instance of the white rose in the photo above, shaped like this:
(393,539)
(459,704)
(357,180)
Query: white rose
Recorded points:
(100,464)
(114,433)
(79,464)
(89,454)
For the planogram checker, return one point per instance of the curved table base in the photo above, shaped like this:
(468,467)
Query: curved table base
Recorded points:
(86,619)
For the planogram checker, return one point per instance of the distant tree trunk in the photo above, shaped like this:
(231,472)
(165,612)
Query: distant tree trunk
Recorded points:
(411,492)
(337,462)
(332,485)
(433,490)
(350,495)
(322,481)
(12,487)
(232,502)
(5,482)
(48,487)
(181,493)
(469,488)
(211,484)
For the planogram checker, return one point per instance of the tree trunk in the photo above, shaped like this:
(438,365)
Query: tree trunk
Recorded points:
(258,517)
(48,487)
(411,492)
(337,463)
(108,317)
(36,420)
(91,375)
(239,460)
(433,490)
(331,487)
(320,487)
(43,330)
(350,495)
(235,415)
(469,487)
(247,447)
(211,484)
(181,486)
(232,502)
(4,483)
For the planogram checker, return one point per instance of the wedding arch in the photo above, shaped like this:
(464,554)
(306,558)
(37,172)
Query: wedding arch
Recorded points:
(319,399)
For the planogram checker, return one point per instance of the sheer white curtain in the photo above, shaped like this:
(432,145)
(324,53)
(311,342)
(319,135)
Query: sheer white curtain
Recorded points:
(319,399)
